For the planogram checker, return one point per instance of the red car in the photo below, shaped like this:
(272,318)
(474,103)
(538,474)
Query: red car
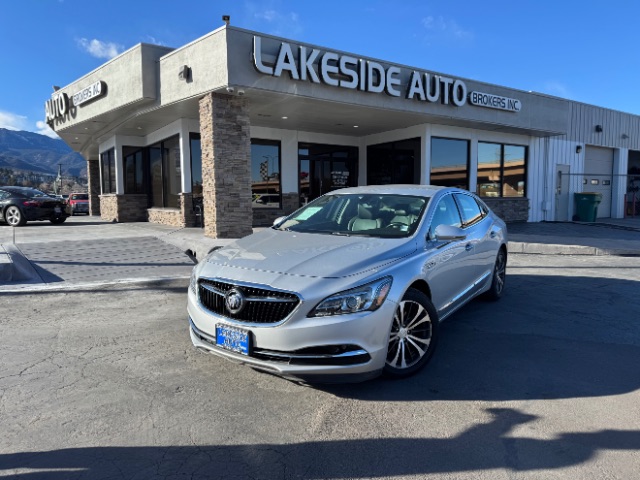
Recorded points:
(78,203)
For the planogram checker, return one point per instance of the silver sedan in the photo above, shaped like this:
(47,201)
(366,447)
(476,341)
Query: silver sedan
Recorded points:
(352,285)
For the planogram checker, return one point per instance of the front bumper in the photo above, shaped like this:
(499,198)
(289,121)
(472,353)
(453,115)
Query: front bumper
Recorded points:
(345,348)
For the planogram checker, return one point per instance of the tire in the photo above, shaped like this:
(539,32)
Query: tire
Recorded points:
(14,217)
(57,221)
(499,277)
(410,349)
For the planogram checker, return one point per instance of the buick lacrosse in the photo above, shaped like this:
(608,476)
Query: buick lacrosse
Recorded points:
(350,286)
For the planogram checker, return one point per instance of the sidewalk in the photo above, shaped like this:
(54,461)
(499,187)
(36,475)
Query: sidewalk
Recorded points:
(87,250)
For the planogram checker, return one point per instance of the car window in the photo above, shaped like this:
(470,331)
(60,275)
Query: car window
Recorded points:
(364,214)
(446,213)
(3,195)
(469,209)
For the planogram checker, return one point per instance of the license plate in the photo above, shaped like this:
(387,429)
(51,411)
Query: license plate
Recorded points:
(232,338)
(57,209)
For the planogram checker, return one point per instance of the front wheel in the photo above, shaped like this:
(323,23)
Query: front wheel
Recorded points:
(13,216)
(499,277)
(413,337)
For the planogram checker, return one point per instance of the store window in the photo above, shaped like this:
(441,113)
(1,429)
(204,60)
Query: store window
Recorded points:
(324,168)
(165,173)
(394,162)
(265,174)
(108,166)
(134,170)
(501,170)
(450,162)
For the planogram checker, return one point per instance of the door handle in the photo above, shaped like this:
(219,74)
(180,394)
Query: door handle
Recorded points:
(468,247)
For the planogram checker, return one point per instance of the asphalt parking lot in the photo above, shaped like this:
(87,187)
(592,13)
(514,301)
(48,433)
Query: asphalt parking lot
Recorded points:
(102,382)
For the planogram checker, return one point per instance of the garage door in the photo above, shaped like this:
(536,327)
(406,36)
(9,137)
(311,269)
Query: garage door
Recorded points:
(598,168)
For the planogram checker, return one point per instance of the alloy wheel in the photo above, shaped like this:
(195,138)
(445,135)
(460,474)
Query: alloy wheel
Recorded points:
(411,335)
(13,216)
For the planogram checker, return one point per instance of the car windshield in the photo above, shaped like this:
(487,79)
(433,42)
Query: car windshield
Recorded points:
(371,215)
(29,192)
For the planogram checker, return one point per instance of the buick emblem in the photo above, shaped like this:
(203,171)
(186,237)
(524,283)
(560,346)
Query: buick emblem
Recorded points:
(234,300)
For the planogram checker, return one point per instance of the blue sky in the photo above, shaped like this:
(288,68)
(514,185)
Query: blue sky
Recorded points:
(584,51)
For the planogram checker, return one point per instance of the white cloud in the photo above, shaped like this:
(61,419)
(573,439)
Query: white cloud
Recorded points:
(100,49)
(274,21)
(556,88)
(12,121)
(43,129)
(446,27)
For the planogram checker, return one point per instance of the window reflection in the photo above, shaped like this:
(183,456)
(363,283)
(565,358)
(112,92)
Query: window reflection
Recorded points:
(265,174)
(450,162)
(501,170)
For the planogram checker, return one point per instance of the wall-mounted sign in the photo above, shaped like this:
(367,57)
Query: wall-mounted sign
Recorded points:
(344,71)
(88,93)
(495,101)
(56,107)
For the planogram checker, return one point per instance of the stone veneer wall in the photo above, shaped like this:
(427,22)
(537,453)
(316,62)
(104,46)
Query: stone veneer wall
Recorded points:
(226,165)
(93,176)
(123,208)
(166,216)
(175,217)
(264,217)
(509,209)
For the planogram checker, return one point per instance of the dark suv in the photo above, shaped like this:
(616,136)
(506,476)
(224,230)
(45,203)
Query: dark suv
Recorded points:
(21,204)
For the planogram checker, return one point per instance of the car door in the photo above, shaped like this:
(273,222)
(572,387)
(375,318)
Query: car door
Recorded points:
(477,226)
(448,270)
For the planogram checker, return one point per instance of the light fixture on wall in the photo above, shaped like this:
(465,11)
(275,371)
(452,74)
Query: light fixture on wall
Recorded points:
(598,128)
(625,136)
(578,148)
(184,73)
(226,19)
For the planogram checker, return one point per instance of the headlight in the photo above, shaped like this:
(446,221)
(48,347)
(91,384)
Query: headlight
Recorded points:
(367,297)
(193,281)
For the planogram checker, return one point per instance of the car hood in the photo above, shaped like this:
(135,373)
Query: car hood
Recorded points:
(305,255)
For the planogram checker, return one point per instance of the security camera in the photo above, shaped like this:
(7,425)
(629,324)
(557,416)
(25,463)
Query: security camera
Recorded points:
(226,19)
(230,89)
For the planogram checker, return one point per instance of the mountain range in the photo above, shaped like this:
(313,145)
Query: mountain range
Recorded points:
(27,151)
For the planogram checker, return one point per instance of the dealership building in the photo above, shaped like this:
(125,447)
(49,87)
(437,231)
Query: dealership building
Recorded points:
(238,128)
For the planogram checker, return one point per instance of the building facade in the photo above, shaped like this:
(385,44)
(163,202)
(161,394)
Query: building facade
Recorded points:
(238,128)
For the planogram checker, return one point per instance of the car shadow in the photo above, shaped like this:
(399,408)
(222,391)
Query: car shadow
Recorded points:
(482,447)
(549,337)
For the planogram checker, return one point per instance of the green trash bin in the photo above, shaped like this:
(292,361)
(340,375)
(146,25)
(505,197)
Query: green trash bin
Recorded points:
(587,206)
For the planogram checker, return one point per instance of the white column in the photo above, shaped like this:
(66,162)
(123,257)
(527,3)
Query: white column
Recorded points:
(185,158)
(119,160)
(473,162)
(425,161)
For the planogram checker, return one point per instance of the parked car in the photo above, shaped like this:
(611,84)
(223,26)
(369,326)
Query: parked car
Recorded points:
(352,285)
(78,203)
(21,204)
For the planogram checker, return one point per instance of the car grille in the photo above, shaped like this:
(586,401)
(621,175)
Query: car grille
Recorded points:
(262,306)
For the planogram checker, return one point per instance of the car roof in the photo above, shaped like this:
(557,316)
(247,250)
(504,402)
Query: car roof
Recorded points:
(398,189)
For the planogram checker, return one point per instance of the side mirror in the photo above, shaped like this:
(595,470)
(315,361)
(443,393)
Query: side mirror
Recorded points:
(448,232)
(278,221)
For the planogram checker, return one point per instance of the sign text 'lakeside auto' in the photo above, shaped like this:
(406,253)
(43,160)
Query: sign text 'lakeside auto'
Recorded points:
(349,72)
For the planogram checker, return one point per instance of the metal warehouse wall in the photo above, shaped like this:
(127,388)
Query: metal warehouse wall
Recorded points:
(615,127)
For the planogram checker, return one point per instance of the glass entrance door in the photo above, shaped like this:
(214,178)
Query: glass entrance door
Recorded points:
(324,168)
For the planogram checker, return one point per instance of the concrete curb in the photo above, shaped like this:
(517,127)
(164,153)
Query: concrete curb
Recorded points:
(558,249)
(18,268)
